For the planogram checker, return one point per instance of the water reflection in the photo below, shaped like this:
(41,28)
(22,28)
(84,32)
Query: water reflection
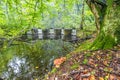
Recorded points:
(32,60)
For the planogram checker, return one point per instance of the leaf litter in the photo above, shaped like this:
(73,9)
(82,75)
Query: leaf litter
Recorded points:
(93,65)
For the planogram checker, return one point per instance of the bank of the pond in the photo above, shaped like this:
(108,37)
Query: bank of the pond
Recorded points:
(88,65)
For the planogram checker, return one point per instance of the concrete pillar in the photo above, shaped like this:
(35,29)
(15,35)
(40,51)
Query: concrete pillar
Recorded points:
(51,33)
(74,32)
(62,32)
(40,34)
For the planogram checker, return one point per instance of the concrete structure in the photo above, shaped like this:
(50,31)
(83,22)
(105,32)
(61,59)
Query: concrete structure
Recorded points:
(57,33)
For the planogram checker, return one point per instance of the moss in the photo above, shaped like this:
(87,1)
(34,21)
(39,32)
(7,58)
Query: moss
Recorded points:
(85,61)
(109,42)
(117,34)
(103,42)
(54,70)
(84,46)
(88,54)
(68,56)
(97,44)
(74,66)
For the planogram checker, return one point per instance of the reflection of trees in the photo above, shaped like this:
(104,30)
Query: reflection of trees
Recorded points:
(33,60)
(18,69)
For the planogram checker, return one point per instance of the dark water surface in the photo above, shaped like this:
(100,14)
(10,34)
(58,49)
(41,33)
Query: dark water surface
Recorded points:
(31,60)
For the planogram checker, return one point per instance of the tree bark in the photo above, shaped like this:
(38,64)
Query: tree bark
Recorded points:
(107,16)
(98,9)
(82,19)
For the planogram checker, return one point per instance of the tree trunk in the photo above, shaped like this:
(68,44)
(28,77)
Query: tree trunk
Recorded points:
(82,19)
(107,16)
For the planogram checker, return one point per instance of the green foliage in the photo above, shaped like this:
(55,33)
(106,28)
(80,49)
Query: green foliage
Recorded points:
(85,61)
(116,22)
(20,15)
(68,56)
(1,31)
(117,33)
(75,66)
(53,70)
(5,56)
(88,54)
(110,2)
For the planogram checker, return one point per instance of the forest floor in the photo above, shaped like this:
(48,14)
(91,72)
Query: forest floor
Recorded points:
(88,65)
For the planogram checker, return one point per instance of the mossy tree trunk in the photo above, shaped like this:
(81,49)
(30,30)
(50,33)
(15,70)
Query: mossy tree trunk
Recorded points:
(107,14)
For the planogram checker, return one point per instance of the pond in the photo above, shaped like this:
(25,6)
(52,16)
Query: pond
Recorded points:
(31,60)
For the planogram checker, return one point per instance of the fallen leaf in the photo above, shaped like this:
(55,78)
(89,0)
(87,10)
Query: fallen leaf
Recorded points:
(105,63)
(59,61)
(91,62)
(100,78)
(85,75)
(111,77)
(98,57)
(85,79)
(85,71)
(92,77)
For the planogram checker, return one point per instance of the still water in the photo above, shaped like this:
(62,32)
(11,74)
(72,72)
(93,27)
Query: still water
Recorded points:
(31,60)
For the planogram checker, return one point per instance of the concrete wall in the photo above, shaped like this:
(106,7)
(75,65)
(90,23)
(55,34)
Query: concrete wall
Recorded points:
(64,34)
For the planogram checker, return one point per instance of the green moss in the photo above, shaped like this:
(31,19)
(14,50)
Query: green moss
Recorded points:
(84,46)
(88,54)
(68,56)
(103,42)
(74,66)
(85,61)
(117,34)
(53,70)
(109,42)
(97,44)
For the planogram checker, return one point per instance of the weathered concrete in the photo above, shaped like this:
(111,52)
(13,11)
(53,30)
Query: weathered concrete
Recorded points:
(64,34)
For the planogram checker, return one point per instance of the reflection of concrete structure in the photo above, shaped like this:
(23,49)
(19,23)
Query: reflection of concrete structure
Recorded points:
(73,38)
(64,34)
